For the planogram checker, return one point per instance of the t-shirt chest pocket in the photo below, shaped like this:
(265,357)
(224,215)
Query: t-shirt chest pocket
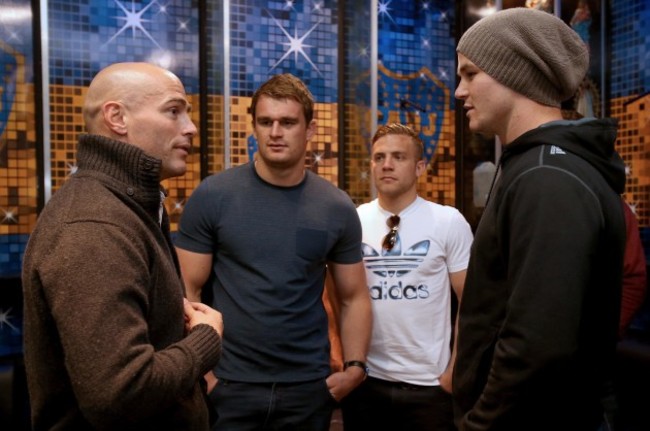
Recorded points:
(311,244)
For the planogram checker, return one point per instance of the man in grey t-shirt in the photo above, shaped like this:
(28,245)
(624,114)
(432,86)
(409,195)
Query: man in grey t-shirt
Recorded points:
(265,232)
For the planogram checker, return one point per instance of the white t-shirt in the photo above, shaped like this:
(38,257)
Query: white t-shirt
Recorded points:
(411,290)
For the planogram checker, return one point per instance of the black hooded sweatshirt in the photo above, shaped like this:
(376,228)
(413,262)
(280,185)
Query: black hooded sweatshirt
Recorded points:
(540,308)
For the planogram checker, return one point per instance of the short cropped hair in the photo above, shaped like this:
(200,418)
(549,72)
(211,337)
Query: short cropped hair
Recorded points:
(286,86)
(400,129)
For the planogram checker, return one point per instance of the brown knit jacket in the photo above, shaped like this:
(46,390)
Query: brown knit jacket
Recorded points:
(105,346)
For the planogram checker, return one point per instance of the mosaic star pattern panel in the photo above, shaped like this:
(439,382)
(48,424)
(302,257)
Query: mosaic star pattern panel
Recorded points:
(416,48)
(416,84)
(297,37)
(18,151)
(86,36)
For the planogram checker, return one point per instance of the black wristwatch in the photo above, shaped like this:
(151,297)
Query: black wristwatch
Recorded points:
(359,364)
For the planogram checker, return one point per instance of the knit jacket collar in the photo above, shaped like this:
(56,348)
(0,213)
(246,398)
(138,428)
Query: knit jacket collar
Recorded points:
(123,167)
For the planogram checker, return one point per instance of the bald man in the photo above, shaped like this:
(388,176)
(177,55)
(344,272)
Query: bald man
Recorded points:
(110,341)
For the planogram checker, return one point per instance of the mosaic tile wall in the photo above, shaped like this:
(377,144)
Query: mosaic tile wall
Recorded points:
(357,100)
(298,37)
(18,164)
(630,103)
(18,156)
(86,36)
(214,153)
(416,82)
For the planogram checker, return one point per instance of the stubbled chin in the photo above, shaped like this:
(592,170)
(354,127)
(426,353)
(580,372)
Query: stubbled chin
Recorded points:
(174,171)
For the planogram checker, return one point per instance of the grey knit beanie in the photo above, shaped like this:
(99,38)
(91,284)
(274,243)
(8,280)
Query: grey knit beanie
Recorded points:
(529,51)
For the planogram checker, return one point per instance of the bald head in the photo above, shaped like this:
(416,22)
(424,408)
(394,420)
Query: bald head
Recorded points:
(130,84)
(146,106)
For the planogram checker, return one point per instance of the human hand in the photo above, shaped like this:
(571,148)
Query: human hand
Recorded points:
(343,382)
(445,380)
(211,381)
(197,313)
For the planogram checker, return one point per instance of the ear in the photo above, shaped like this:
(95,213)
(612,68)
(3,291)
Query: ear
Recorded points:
(420,167)
(311,129)
(115,117)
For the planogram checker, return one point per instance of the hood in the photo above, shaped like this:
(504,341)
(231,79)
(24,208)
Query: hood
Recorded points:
(589,138)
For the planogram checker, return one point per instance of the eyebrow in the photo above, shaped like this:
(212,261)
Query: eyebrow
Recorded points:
(383,153)
(179,100)
(465,66)
(284,118)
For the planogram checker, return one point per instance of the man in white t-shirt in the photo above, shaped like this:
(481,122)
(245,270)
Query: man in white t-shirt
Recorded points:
(415,253)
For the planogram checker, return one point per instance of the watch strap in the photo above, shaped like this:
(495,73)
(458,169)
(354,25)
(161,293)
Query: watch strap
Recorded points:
(359,364)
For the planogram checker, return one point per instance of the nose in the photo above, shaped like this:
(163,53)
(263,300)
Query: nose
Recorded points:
(189,127)
(387,164)
(276,130)
(461,91)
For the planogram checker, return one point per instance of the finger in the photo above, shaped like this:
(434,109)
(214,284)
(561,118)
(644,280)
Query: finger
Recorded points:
(199,306)
(187,307)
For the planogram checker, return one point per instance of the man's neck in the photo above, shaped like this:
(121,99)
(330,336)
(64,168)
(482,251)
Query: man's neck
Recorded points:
(528,115)
(282,177)
(397,204)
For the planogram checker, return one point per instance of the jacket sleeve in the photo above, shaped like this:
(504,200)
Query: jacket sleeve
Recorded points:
(634,272)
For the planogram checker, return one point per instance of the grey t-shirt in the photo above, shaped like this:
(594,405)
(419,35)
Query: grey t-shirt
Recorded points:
(270,246)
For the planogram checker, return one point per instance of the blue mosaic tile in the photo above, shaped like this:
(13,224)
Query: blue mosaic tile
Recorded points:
(630,52)
(417,73)
(12,248)
(270,29)
(416,34)
(87,35)
(11,318)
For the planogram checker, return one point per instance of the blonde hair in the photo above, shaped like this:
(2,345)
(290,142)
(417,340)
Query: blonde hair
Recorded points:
(400,129)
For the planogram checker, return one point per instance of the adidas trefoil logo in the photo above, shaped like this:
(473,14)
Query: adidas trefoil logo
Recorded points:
(394,263)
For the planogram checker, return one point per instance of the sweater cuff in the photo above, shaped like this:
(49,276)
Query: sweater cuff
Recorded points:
(206,342)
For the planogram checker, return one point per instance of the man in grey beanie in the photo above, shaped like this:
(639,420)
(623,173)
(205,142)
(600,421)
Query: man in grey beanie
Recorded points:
(539,313)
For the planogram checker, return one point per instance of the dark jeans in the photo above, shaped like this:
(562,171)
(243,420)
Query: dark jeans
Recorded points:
(379,404)
(304,406)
